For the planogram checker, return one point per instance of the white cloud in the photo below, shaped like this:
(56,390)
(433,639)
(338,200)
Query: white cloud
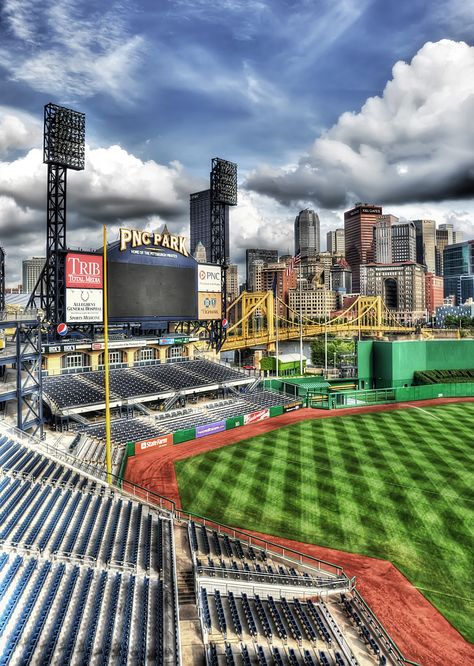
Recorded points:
(60,51)
(115,189)
(414,143)
(17,130)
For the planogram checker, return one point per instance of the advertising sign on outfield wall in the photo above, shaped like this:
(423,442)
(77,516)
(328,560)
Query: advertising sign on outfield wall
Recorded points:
(146,444)
(210,428)
(254,417)
(209,278)
(290,407)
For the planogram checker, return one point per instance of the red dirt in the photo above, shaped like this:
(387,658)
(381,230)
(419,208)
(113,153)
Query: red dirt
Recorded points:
(420,631)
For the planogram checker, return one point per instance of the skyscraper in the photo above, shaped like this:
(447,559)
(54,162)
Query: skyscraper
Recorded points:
(426,244)
(383,239)
(335,241)
(200,222)
(359,224)
(232,282)
(445,235)
(31,269)
(307,238)
(404,242)
(458,262)
(251,256)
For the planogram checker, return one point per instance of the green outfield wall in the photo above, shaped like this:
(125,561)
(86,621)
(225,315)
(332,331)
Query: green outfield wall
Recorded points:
(386,364)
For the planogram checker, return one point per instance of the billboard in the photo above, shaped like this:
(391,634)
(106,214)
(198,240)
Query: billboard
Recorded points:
(210,428)
(209,278)
(254,417)
(84,306)
(209,305)
(84,270)
(160,442)
(84,288)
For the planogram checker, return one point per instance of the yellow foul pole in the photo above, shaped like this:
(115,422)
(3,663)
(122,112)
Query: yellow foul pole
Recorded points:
(108,444)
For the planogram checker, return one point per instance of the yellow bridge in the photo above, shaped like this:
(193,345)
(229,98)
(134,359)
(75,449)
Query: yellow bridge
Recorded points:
(256,324)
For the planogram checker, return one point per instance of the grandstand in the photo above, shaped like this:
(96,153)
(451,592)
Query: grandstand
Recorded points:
(85,392)
(91,575)
(89,444)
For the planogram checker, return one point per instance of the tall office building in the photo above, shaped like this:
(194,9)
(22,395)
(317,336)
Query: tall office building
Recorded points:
(359,224)
(266,256)
(458,262)
(445,235)
(404,242)
(31,269)
(426,244)
(200,253)
(383,239)
(232,282)
(200,222)
(335,241)
(307,235)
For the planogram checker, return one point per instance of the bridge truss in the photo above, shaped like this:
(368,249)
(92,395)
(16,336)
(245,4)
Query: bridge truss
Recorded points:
(256,324)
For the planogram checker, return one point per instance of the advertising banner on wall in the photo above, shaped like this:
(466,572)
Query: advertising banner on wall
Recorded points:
(209,278)
(84,288)
(209,305)
(160,442)
(84,306)
(210,428)
(254,417)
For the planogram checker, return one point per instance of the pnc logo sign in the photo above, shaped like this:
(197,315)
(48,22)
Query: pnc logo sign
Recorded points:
(209,278)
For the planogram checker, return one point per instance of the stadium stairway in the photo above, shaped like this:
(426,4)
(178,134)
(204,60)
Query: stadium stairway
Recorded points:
(192,648)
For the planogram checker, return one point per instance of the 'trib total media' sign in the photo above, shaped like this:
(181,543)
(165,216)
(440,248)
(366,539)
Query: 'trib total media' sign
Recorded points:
(84,288)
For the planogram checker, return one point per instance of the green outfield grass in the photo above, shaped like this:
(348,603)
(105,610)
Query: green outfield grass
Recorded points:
(396,485)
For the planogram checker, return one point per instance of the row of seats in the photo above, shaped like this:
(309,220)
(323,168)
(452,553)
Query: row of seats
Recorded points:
(97,590)
(259,655)
(267,616)
(277,574)
(54,612)
(86,525)
(88,388)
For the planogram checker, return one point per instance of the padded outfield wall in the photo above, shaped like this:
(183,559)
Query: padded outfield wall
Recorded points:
(384,364)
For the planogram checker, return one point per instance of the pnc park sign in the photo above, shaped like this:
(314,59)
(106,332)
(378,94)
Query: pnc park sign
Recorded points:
(135,238)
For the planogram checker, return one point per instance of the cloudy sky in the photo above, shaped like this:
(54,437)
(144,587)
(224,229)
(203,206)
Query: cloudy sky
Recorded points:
(320,102)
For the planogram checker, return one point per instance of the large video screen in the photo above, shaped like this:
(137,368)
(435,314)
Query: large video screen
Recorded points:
(140,291)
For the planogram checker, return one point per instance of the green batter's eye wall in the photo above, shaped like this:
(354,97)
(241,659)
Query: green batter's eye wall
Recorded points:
(383,364)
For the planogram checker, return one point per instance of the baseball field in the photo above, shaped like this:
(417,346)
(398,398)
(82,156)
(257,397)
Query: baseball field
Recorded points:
(397,485)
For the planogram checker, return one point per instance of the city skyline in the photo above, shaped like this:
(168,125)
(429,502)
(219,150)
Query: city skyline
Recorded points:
(314,117)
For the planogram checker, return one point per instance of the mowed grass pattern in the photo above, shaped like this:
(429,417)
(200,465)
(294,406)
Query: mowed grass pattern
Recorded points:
(396,485)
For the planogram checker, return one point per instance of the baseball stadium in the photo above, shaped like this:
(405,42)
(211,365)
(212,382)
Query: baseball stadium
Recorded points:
(162,505)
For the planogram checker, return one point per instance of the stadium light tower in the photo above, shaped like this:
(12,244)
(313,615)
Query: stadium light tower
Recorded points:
(63,149)
(223,193)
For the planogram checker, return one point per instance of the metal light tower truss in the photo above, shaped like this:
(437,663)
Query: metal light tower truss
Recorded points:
(2,279)
(29,378)
(223,193)
(63,149)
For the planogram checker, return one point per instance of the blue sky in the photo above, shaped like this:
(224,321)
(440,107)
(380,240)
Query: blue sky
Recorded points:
(306,96)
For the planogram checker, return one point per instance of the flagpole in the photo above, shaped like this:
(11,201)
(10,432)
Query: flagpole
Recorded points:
(301,318)
(108,444)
